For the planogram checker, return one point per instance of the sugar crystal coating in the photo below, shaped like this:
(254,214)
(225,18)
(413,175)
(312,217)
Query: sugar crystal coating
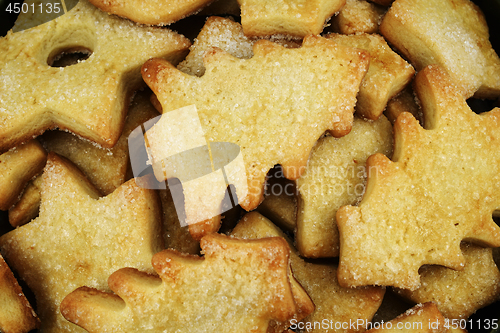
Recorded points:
(80,238)
(440,187)
(238,286)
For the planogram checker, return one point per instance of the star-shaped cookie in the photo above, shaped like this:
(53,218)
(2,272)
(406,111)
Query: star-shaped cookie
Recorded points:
(274,106)
(441,187)
(89,98)
(295,18)
(238,286)
(80,239)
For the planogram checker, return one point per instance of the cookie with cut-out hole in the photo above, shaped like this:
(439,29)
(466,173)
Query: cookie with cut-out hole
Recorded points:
(440,187)
(16,313)
(89,98)
(275,107)
(335,176)
(458,294)
(387,75)
(332,303)
(17,167)
(237,286)
(152,12)
(80,238)
(358,16)
(449,33)
(286,17)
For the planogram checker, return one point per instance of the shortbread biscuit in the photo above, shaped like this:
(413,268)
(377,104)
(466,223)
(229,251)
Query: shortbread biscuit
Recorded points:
(151,12)
(335,176)
(80,239)
(422,318)
(255,226)
(17,167)
(333,303)
(358,16)
(297,18)
(450,33)
(89,98)
(458,294)
(227,35)
(106,168)
(238,286)
(16,313)
(317,87)
(387,75)
(404,102)
(441,187)
(28,205)
(223,33)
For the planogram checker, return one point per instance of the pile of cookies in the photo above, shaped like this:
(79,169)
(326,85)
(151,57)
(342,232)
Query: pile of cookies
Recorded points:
(249,166)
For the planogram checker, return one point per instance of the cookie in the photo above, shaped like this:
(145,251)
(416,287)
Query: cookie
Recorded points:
(408,217)
(28,206)
(255,226)
(452,34)
(17,167)
(270,128)
(358,16)
(404,102)
(335,176)
(387,75)
(238,286)
(80,239)
(89,98)
(153,12)
(284,17)
(458,294)
(106,168)
(16,313)
(227,35)
(334,305)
